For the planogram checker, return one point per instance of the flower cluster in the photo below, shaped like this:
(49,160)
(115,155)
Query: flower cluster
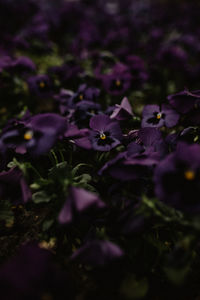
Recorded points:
(99,149)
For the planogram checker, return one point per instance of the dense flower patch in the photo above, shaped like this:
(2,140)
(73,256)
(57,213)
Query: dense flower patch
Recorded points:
(99,149)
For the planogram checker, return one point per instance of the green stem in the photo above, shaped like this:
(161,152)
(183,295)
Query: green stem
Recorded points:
(54,156)
(36,171)
(61,155)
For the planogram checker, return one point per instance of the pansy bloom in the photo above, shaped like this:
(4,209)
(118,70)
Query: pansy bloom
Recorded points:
(64,102)
(85,92)
(154,116)
(173,56)
(98,253)
(118,80)
(184,101)
(37,135)
(139,158)
(122,111)
(78,201)
(22,65)
(138,70)
(105,134)
(177,178)
(32,274)
(83,111)
(187,103)
(40,85)
(13,186)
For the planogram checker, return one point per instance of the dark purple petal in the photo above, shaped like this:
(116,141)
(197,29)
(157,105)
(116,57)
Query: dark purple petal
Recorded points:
(184,101)
(99,123)
(98,253)
(78,201)
(122,111)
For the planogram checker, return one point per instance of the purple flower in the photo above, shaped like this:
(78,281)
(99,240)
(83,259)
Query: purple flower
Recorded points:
(37,135)
(177,178)
(66,72)
(137,68)
(5,62)
(184,101)
(122,111)
(78,201)
(31,274)
(105,134)
(173,56)
(85,93)
(153,116)
(83,111)
(39,85)
(21,65)
(63,100)
(118,81)
(140,157)
(187,135)
(98,253)
(14,187)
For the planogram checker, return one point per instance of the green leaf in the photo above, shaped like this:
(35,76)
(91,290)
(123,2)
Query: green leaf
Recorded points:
(47,224)
(177,276)
(6,213)
(131,288)
(84,178)
(76,169)
(163,211)
(41,197)
(58,170)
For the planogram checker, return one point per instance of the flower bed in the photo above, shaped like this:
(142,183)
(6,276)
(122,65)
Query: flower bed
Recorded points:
(100,150)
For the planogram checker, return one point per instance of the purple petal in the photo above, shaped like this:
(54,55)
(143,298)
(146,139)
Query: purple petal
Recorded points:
(99,122)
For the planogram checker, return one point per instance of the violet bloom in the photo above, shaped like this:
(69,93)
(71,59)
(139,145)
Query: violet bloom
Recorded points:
(98,253)
(105,134)
(118,81)
(36,136)
(85,93)
(177,178)
(138,70)
(184,101)
(173,56)
(122,111)
(154,116)
(31,274)
(39,85)
(14,187)
(21,65)
(139,158)
(5,63)
(133,164)
(83,111)
(78,201)
(35,30)
(188,135)
(66,72)
(64,102)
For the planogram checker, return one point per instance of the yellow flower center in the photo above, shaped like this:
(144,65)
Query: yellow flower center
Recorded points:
(81,97)
(42,84)
(102,136)
(28,135)
(118,82)
(159,116)
(189,175)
